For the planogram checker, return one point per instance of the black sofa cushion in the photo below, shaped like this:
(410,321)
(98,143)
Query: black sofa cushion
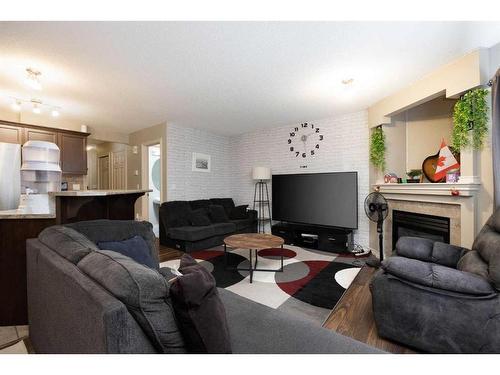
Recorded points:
(227,203)
(217,214)
(436,276)
(200,203)
(190,233)
(199,310)
(239,212)
(175,213)
(199,217)
(143,291)
(224,228)
(242,223)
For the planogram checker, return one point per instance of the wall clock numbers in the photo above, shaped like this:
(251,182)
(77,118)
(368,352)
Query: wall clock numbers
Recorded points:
(305,140)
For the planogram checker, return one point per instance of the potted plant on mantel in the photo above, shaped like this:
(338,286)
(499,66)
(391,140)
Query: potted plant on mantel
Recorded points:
(415,176)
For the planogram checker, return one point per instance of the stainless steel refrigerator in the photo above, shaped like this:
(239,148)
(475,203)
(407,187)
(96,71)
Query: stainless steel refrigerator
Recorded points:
(10,176)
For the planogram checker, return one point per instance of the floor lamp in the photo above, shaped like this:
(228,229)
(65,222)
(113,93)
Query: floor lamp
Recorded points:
(261,197)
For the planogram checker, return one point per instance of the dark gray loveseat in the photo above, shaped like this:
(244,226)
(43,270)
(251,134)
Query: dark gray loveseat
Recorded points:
(69,312)
(177,232)
(441,298)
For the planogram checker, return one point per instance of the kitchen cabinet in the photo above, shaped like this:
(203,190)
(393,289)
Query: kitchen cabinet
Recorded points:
(73,153)
(73,144)
(39,135)
(10,133)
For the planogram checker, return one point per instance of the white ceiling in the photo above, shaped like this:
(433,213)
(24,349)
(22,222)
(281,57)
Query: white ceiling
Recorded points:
(228,77)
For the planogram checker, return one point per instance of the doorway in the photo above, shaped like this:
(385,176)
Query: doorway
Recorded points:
(154,183)
(103,172)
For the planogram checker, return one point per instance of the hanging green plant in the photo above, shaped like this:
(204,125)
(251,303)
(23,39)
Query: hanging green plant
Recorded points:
(470,114)
(377,148)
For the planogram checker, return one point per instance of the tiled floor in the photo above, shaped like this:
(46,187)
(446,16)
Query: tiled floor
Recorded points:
(12,335)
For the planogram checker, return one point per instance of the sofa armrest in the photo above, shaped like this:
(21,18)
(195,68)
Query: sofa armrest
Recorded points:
(437,276)
(252,214)
(429,251)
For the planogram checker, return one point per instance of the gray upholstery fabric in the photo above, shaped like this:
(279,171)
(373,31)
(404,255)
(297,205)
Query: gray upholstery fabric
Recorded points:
(192,233)
(487,243)
(117,230)
(429,251)
(434,322)
(437,276)
(257,329)
(473,263)
(70,313)
(67,242)
(167,273)
(143,290)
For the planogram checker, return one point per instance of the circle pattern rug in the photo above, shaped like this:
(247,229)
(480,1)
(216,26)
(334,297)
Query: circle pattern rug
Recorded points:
(311,284)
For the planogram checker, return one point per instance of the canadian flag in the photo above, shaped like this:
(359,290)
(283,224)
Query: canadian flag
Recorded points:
(446,161)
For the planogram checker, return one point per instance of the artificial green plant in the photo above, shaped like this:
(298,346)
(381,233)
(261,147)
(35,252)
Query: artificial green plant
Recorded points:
(470,114)
(377,148)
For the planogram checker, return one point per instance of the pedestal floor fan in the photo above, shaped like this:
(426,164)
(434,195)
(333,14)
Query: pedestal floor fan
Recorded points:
(377,209)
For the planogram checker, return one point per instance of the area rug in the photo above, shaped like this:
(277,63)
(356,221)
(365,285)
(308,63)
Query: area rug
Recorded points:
(310,285)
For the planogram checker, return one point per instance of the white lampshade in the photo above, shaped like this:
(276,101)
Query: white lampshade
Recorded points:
(261,173)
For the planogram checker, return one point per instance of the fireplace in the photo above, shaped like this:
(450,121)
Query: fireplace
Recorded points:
(404,223)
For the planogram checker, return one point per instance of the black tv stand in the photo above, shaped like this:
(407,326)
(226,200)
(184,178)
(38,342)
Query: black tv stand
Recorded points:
(334,240)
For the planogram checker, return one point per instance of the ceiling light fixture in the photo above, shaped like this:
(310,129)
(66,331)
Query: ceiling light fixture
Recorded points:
(33,79)
(55,113)
(16,105)
(36,106)
(347,81)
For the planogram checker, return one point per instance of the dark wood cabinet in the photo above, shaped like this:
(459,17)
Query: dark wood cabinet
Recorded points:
(39,135)
(10,133)
(73,153)
(73,145)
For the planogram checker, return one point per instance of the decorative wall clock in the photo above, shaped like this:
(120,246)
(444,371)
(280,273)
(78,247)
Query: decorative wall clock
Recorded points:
(305,140)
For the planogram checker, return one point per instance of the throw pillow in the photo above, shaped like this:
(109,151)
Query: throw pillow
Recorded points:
(199,218)
(217,214)
(143,291)
(135,248)
(199,309)
(239,212)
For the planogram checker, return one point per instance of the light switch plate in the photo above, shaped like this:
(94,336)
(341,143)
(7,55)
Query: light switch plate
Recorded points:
(76,186)
(136,173)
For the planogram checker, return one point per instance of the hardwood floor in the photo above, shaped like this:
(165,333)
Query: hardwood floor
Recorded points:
(353,315)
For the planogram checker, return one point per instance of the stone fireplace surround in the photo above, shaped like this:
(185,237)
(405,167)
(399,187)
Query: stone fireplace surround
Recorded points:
(437,200)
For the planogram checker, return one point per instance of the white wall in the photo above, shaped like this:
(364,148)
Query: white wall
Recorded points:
(345,148)
(182,182)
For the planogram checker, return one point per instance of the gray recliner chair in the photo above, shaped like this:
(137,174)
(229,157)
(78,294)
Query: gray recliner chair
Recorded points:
(441,298)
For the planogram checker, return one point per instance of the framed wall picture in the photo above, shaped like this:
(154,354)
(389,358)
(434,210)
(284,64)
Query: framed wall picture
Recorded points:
(201,162)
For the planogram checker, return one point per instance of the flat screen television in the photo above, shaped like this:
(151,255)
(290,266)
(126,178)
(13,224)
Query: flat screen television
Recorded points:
(326,199)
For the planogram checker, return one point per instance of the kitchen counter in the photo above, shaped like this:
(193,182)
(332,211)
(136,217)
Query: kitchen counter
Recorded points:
(95,193)
(33,206)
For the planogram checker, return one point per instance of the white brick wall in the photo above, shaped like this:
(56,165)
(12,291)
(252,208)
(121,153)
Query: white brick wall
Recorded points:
(182,182)
(345,148)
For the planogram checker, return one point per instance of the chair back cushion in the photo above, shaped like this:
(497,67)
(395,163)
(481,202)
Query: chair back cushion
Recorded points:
(142,290)
(487,244)
(227,203)
(67,242)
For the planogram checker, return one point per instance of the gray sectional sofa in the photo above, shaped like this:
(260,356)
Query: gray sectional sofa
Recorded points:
(70,312)
(442,298)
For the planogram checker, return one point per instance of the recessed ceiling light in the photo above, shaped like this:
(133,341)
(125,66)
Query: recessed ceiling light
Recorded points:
(55,113)
(33,79)
(347,81)
(36,106)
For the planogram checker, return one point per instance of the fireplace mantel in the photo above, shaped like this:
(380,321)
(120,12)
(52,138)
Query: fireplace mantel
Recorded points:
(446,189)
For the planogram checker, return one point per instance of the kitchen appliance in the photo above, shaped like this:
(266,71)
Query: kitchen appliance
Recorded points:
(40,171)
(10,183)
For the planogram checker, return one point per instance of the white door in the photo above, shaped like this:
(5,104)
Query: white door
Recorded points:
(119,170)
(103,175)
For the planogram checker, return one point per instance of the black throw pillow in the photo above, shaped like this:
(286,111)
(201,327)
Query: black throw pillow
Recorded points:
(199,309)
(199,218)
(239,212)
(217,214)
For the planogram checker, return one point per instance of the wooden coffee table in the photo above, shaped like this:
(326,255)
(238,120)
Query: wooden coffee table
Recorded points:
(253,242)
